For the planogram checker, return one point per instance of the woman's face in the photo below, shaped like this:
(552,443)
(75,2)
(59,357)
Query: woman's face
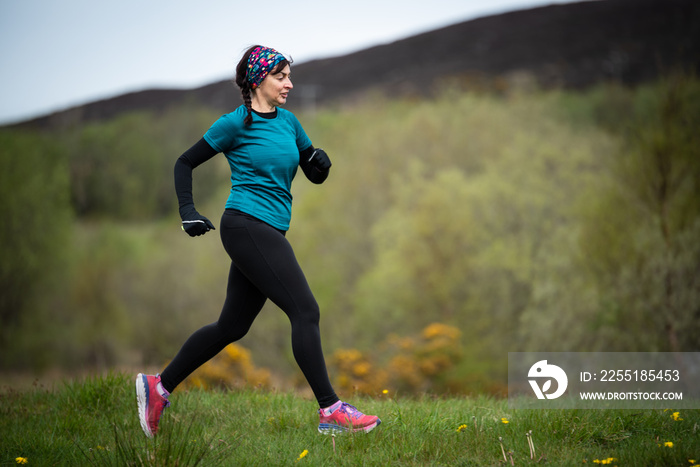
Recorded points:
(274,89)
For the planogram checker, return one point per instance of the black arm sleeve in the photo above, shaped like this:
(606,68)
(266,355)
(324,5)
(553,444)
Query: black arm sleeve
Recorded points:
(193,157)
(314,174)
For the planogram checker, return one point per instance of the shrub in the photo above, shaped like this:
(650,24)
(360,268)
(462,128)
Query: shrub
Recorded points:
(232,367)
(414,364)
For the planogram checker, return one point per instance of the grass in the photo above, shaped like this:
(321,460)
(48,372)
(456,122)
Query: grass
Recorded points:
(93,421)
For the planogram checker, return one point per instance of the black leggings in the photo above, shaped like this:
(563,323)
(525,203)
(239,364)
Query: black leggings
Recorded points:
(263,266)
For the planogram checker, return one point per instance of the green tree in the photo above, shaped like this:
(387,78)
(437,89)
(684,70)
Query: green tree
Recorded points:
(36,222)
(639,243)
(123,168)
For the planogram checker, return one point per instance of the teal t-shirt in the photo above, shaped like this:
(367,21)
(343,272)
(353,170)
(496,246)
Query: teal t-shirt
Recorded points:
(264,158)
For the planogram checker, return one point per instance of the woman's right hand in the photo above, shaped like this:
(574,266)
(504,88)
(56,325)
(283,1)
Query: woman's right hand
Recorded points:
(196,224)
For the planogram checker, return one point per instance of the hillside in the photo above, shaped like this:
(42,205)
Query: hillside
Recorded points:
(572,46)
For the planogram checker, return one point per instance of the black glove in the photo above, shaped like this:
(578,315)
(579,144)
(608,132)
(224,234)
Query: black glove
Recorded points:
(320,160)
(196,224)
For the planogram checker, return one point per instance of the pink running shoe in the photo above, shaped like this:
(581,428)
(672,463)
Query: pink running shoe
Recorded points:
(151,403)
(342,417)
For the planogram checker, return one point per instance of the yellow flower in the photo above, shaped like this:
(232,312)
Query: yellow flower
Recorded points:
(503,420)
(436,330)
(386,391)
(676,416)
(462,427)
(668,444)
(21,460)
(692,461)
(596,461)
(302,455)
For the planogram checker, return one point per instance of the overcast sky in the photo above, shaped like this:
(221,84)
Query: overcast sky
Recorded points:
(60,53)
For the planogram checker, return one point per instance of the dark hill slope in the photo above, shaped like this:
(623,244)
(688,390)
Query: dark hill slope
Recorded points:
(572,45)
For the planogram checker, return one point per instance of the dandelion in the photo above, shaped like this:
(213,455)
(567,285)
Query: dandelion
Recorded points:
(386,391)
(668,444)
(302,455)
(500,441)
(692,461)
(676,416)
(607,461)
(504,420)
(21,460)
(530,444)
(462,427)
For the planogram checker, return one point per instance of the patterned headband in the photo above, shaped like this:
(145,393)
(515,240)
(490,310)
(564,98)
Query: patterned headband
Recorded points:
(260,62)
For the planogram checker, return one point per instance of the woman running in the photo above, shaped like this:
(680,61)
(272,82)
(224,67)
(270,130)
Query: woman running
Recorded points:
(264,145)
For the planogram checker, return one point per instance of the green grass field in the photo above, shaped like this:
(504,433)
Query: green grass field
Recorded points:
(94,421)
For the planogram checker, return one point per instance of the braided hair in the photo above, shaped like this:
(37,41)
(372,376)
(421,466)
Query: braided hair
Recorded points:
(243,83)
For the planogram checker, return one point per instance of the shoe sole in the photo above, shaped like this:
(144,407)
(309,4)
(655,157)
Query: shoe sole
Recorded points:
(142,402)
(331,428)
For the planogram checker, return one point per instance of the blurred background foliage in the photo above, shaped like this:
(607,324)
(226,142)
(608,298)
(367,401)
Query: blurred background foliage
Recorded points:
(451,231)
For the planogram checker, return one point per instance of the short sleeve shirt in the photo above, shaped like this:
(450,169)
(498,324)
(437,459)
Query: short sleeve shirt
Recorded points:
(264,158)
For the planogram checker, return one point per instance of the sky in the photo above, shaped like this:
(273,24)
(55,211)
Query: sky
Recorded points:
(56,54)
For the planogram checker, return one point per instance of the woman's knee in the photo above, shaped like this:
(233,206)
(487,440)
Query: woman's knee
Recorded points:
(311,313)
(234,333)
(233,327)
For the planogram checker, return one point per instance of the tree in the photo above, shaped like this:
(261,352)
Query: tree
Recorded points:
(638,244)
(35,225)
